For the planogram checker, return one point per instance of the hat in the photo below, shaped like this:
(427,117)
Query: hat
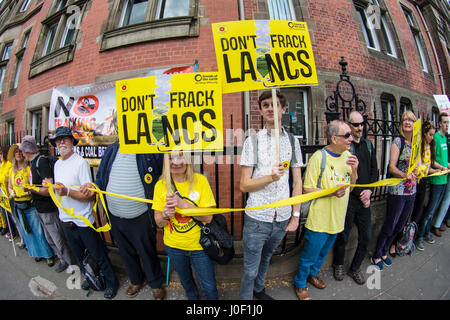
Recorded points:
(29,145)
(12,150)
(63,132)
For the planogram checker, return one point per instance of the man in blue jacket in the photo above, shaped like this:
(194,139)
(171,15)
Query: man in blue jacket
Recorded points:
(132,222)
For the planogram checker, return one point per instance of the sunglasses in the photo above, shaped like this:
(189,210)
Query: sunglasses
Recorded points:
(346,136)
(357,124)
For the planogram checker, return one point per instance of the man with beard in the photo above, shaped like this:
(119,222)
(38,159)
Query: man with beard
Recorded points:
(73,170)
(358,210)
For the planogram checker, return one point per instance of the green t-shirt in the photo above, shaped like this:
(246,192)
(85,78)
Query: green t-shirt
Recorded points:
(440,147)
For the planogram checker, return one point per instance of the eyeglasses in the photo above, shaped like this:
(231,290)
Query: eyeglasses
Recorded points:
(346,136)
(60,139)
(357,124)
(408,120)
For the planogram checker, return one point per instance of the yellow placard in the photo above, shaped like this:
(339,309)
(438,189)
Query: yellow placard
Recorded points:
(167,113)
(415,146)
(261,54)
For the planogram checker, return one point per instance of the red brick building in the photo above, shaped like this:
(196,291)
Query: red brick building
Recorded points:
(400,64)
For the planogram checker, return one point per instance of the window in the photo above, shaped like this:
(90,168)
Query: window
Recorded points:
(36,124)
(281,10)
(391,129)
(405,105)
(17,73)
(25,5)
(57,37)
(295,120)
(2,77)
(137,21)
(134,12)
(171,8)
(49,39)
(377,30)
(417,39)
(7,51)
(10,131)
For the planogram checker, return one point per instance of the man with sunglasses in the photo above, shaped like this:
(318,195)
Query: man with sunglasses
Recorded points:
(326,215)
(358,210)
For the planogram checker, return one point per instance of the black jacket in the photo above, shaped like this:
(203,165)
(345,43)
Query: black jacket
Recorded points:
(367,168)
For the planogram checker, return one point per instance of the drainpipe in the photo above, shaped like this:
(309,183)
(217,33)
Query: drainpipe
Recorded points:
(246,94)
(441,79)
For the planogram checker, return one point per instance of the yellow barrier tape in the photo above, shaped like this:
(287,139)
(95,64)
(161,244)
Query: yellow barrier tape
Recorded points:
(208,211)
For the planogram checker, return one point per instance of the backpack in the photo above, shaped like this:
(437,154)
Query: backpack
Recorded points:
(93,274)
(406,244)
(304,210)
(51,161)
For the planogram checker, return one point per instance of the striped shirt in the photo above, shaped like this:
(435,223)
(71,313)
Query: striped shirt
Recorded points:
(124,179)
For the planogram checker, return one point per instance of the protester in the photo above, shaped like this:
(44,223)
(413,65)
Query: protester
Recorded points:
(32,232)
(358,210)
(182,233)
(46,210)
(9,230)
(439,226)
(72,170)
(437,184)
(132,222)
(326,216)
(266,180)
(428,160)
(400,200)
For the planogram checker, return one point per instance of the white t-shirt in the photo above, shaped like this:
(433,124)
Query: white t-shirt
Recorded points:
(74,171)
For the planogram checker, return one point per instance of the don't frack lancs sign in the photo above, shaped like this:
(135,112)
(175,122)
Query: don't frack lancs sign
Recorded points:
(167,113)
(263,54)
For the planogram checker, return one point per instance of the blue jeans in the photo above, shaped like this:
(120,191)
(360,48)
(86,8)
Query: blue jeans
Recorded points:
(183,261)
(436,195)
(442,212)
(260,239)
(316,248)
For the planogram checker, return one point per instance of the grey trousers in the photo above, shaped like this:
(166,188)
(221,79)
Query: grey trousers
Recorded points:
(55,236)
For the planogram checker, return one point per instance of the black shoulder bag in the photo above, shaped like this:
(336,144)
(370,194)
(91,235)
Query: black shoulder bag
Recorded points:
(215,239)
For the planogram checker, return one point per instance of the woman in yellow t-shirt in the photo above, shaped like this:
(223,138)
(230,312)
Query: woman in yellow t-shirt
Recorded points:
(32,232)
(4,170)
(181,233)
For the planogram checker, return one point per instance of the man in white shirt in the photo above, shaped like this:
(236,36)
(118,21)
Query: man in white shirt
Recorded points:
(73,170)
(267,180)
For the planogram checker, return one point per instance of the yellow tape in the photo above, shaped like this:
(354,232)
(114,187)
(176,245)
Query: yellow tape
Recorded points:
(208,211)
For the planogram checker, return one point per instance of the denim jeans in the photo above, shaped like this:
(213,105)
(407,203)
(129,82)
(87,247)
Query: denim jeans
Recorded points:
(316,248)
(442,211)
(260,239)
(436,195)
(183,261)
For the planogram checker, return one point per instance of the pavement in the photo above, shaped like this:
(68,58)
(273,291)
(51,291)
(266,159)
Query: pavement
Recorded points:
(422,276)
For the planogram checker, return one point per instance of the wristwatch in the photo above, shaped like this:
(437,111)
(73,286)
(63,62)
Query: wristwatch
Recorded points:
(296,214)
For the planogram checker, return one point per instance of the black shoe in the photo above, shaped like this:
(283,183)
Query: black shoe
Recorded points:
(61,267)
(110,293)
(4,231)
(262,295)
(85,285)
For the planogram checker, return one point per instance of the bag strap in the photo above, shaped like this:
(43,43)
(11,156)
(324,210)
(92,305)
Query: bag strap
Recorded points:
(322,169)
(201,225)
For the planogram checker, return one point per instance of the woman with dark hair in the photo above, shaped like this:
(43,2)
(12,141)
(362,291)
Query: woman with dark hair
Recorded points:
(428,158)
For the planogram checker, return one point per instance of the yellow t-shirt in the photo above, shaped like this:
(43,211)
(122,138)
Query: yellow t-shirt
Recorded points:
(4,175)
(327,214)
(185,233)
(21,176)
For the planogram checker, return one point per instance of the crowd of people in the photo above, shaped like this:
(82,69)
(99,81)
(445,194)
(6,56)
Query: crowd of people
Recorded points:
(48,232)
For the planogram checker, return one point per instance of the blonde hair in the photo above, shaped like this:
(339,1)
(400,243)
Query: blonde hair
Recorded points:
(13,161)
(407,114)
(189,174)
